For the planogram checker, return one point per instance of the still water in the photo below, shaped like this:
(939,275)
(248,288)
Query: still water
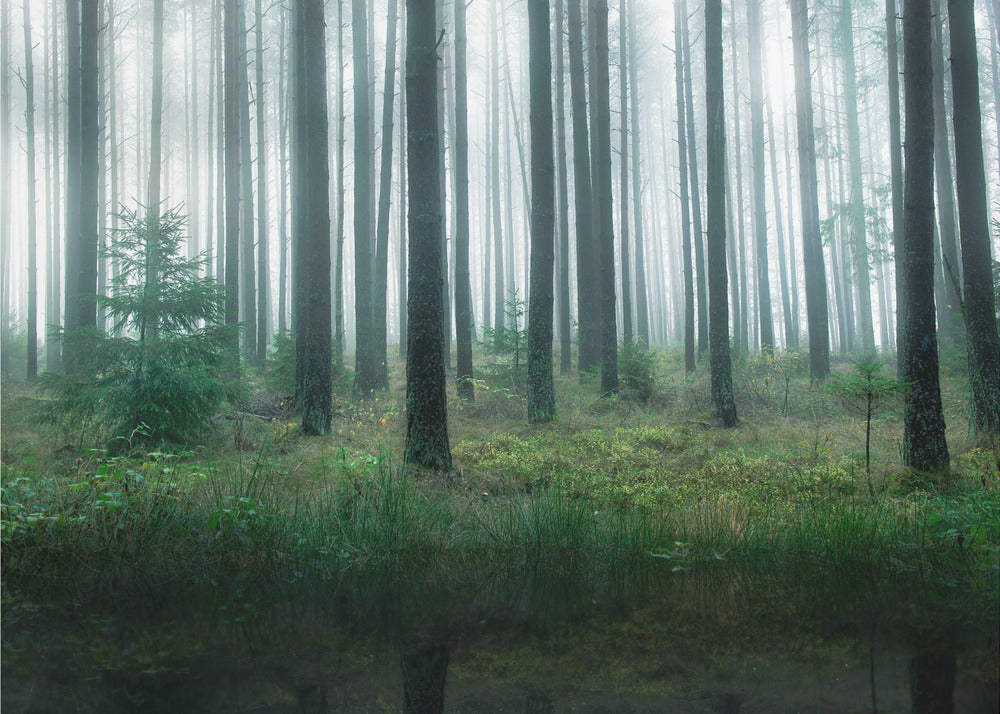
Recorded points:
(648,640)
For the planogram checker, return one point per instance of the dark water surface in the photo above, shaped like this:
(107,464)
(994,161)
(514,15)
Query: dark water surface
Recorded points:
(649,641)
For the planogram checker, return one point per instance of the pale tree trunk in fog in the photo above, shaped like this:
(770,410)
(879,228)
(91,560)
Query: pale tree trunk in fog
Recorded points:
(221,157)
(311,221)
(895,159)
(562,186)
(155,126)
(541,391)
(282,176)
(338,267)
(698,235)
(740,331)
(263,267)
(29,115)
(71,315)
(232,162)
(812,242)
(641,296)
(977,275)
(85,264)
(426,402)
(948,299)
(586,252)
(766,320)
(688,270)
(379,317)
(53,305)
(791,339)
(924,446)
(602,190)
(994,12)
(5,155)
(624,177)
(194,182)
(719,356)
(500,291)
(862,272)
(401,277)
(365,374)
(248,280)
(463,288)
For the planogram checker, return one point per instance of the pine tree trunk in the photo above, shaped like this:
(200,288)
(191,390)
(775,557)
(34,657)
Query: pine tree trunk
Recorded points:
(86,254)
(924,446)
(739,276)
(29,115)
(248,279)
(895,161)
(562,186)
(541,390)
(53,306)
(282,175)
(232,161)
(338,268)
(641,290)
(688,270)
(624,176)
(5,174)
(401,278)
(812,242)
(500,290)
(719,357)
(379,317)
(463,288)
(194,183)
(71,291)
(586,253)
(263,259)
(791,338)
(426,403)
(977,273)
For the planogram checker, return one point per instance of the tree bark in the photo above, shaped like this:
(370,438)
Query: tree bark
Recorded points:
(463,287)
(263,259)
(5,174)
(426,402)
(719,357)
(895,161)
(232,162)
(977,273)
(53,306)
(541,390)
(688,271)
(924,446)
(641,291)
(29,115)
(626,269)
(248,279)
(812,243)
(339,329)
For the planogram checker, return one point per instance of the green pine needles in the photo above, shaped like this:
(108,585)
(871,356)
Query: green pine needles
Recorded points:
(164,367)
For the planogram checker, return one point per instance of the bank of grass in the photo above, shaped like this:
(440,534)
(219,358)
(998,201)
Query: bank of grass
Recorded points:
(608,483)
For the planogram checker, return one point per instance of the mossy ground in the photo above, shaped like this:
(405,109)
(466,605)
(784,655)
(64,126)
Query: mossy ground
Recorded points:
(608,481)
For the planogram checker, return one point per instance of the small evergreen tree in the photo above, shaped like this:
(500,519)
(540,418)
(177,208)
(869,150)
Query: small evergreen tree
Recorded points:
(169,371)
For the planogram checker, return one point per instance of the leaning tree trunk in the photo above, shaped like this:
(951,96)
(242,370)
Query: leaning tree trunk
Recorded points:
(812,242)
(719,357)
(977,275)
(924,446)
(541,390)
(426,401)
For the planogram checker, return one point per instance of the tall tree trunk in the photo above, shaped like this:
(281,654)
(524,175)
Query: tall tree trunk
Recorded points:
(541,390)
(311,227)
(698,236)
(791,338)
(588,324)
(719,357)
(741,332)
(463,288)
(338,268)
(401,278)
(994,13)
(71,291)
(641,292)
(688,270)
(379,318)
(365,374)
(924,446)
(977,274)
(86,254)
(500,290)
(53,306)
(759,178)
(282,174)
(862,271)
(221,157)
(194,185)
(248,280)
(263,260)
(812,242)
(624,177)
(5,174)
(948,299)
(232,161)
(895,161)
(426,403)
(29,115)
(562,186)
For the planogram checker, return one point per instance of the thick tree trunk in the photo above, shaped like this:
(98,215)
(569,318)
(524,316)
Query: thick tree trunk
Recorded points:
(588,333)
(719,357)
(426,401)
(977,273)
(463,287)
(688,271)
(924,446)
(379,301)
(812,243)
(541,390)
(311,227)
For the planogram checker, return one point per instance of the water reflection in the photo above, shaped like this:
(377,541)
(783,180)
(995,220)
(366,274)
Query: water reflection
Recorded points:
(640,639)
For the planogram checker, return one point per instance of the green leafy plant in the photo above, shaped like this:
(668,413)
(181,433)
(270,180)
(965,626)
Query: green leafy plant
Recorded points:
(511,340)
(866,391)
(166,367)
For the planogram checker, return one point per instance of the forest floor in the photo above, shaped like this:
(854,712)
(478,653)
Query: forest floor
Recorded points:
(607,481)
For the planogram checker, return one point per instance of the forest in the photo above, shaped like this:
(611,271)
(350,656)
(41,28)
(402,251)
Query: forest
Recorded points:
(491,355)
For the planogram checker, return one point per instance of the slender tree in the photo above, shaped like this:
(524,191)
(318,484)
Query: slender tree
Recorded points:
(263,260)
(586,252)
(602,190)
(426,402)
(463,287)
(719,358)
(895,159)
(53,306)
(924,446)
(5,174)
(232,161)
(688,269)
(641,296)
(29,116)
(365,372)
(977,275)
(562,186)
(541,391)
(248,280)
(626,270)
(311,227)
(338,268)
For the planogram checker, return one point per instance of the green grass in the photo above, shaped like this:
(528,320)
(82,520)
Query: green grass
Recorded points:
(608,483)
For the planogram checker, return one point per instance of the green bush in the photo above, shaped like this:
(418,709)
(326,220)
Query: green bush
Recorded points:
(166,367)
(637,373)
